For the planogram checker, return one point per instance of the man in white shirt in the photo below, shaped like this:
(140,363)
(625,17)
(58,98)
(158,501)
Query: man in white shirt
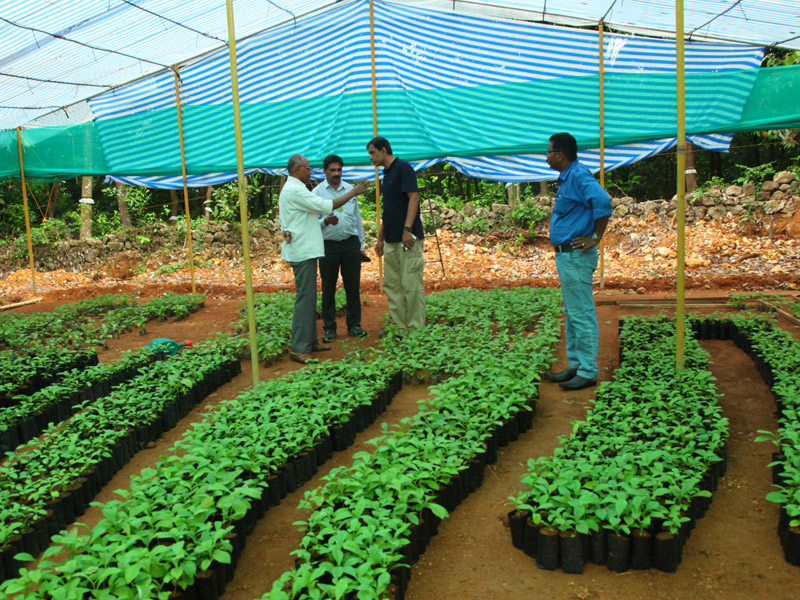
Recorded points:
(343,232)
(302,246)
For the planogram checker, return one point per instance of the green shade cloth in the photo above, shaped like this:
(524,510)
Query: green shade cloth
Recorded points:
(514,118)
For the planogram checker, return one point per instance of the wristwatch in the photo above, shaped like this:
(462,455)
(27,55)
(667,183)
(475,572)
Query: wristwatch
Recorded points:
(409,229)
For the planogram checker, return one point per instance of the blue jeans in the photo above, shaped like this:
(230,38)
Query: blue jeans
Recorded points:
(575,272)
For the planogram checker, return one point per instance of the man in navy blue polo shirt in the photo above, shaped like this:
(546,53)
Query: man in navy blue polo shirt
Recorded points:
(400,237)
(580,215)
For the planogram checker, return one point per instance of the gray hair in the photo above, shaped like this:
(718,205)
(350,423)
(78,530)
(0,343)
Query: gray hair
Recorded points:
(294,161)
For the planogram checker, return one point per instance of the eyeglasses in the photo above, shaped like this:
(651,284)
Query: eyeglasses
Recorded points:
(553,151)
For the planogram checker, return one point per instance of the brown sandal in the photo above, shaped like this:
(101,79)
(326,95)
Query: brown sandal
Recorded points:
(320,348)
(299,357)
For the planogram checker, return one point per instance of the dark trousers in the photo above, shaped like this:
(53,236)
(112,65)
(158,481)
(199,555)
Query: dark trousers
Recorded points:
(304,317)
(344,255)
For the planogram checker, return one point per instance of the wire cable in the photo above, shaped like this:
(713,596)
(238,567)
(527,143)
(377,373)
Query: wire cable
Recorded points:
(150,12)
(66,39)
(27,77)
(711,20)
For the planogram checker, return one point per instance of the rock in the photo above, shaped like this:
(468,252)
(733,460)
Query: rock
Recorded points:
(662,251)
(90,255)
(774,206)
(707,200)
(501,209)
(208,239)
(261,233)
(764,195)
(468,209)
(699,211)
(770,186)
(621,210)
(717,212)
(650,207)
(714,191)
(783,177)
(693,262)
(220,235)
(734,190)
(114,246)
(749,189)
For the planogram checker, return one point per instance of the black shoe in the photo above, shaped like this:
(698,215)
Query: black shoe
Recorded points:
(329,336)
(564,375)
(578,383)
(357,332)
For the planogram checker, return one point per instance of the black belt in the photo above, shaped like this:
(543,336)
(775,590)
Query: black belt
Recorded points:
(563,248)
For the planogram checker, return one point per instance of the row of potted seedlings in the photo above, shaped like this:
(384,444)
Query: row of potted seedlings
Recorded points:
(26,374)
(31,415)
(180,528)
(51,480)
(273,317)
(40,346)
(371,521)
(626,487)
(776,354)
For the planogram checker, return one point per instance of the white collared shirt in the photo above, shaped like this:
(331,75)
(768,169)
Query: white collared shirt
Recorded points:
(298,209)
(349,215)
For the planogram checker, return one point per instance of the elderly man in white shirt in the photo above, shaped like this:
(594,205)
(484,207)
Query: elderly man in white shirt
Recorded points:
(343,232)
(303,245)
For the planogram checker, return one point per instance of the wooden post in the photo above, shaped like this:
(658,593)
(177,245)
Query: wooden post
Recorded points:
(189,241)
(691,172)
(122,205)
(680,311)
(25,205)
(375,128)
(86,207)
(237,125)
(602,82)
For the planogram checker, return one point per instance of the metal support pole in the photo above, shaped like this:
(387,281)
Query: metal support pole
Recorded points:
(25,204)
(237,123)
(680,311)
(183,172)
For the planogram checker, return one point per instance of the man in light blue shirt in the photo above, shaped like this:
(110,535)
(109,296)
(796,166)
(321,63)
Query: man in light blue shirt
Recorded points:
(343,232)
(580,215)
(302,246)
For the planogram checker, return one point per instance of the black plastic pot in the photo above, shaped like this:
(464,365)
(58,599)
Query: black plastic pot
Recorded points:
(619,553)
(641,549)
(666,551)
(598,547)
(547,547)
(531,542)
(516,523)
(570,550)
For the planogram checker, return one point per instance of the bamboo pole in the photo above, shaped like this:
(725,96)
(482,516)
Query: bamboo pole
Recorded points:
(681,177)
(375,128)
(237,123)
(183,172)
(601,81)
(25,204)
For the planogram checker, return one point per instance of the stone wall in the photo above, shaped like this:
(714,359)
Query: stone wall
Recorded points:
(775,197)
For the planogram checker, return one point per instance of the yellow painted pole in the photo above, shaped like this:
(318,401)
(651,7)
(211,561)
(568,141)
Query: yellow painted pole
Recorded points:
(237,123)
(680,311)
(375,128)
(601,80)
(25,204)
(183,172)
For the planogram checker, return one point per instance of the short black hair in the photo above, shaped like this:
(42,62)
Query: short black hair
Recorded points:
(564,142)
(380,143)
(330,159)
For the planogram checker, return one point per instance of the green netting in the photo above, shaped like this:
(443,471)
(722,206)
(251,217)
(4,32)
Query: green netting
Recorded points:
(514,118)
(53,153)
